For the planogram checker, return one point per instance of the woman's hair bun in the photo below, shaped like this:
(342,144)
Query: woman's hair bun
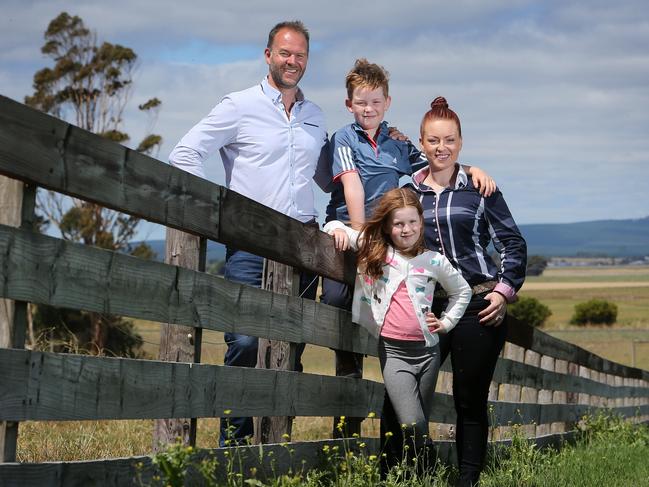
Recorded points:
(439,102)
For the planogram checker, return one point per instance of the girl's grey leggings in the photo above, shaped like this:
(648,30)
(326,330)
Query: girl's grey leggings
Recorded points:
(410,372)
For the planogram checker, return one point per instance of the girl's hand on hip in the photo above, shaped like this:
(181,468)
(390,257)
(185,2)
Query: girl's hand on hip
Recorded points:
(493,314)
(433,323)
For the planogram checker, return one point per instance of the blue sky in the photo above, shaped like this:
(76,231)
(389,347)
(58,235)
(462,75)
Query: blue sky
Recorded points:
(553,95)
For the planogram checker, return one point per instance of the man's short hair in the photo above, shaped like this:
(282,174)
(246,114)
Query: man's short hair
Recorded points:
(366,75)
(294,25)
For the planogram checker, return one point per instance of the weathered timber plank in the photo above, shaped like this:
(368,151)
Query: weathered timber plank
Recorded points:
(50,386)
(534,339)
(40,149)
(275,459)
(51,271)
(506,413)
(122,472)
(514,372)
(254,228)
(526,413)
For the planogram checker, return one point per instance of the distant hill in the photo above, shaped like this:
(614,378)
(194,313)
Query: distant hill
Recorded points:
(613,238)
(215,251)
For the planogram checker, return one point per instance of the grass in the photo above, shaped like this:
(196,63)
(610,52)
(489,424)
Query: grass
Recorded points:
(609,452)
(627,286)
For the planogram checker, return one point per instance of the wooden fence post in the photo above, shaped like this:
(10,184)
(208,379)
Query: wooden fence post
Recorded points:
(572,397)
(348,364)
(545,395)
(510,392)
(180,343)
(584,398)
(530,394)
(17,204)
(275,354)
(443,431)
(559,397)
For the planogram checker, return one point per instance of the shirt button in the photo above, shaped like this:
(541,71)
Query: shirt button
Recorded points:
(436,230)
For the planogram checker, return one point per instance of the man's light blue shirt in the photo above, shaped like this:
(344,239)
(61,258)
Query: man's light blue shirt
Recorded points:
(268,156)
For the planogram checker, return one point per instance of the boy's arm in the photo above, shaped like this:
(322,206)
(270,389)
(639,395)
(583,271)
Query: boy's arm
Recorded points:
(354,198)
(344,169)
(484,183)
(323,176)
(416,158)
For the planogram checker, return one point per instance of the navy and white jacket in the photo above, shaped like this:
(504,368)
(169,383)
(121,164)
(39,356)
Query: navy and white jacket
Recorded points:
(460,223)
(379,163)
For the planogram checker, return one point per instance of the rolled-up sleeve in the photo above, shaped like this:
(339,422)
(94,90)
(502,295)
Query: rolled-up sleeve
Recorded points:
(509,243)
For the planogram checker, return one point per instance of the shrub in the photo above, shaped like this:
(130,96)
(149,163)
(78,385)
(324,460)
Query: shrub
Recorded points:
(529,310)
(595,311)
(536,264)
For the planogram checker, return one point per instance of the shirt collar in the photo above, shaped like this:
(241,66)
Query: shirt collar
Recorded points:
(275,95)
(383,128)
(460,181)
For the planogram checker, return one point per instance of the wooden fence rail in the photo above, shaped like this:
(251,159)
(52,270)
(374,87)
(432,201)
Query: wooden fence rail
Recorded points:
(541,382)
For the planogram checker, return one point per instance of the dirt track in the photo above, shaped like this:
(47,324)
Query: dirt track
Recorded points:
(543,286)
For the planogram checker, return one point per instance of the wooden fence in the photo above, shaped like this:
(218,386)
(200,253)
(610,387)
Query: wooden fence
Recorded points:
(540,382)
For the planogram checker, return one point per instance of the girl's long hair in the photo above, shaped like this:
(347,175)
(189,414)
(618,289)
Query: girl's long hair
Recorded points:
(375,241)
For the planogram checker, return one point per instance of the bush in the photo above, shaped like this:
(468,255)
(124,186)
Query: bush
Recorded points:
(530,311)
(536,264)
(595,311)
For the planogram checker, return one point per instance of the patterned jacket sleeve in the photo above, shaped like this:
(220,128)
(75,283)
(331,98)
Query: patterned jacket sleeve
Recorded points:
(351,233)
(458,290)
(509,243)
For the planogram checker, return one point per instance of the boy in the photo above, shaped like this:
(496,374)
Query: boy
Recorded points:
(367,162)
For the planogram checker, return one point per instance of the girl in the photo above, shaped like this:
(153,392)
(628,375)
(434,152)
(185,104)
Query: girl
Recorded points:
(393,294)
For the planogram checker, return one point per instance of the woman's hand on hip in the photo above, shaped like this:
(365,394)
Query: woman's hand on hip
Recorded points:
(493,314)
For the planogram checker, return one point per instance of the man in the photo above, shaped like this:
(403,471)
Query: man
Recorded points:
(270,139)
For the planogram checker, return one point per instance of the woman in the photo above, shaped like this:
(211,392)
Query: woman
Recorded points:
(460,223)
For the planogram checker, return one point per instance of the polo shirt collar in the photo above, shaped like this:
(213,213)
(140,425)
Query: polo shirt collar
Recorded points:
(275,95)
(383,128)
(461,180)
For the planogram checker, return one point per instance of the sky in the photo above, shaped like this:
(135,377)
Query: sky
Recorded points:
(553,95)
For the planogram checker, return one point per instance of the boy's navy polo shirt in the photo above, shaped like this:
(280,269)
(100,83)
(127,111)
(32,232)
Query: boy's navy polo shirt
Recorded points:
(379,165)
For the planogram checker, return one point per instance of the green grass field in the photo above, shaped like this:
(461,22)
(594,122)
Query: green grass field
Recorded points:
(628,287)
